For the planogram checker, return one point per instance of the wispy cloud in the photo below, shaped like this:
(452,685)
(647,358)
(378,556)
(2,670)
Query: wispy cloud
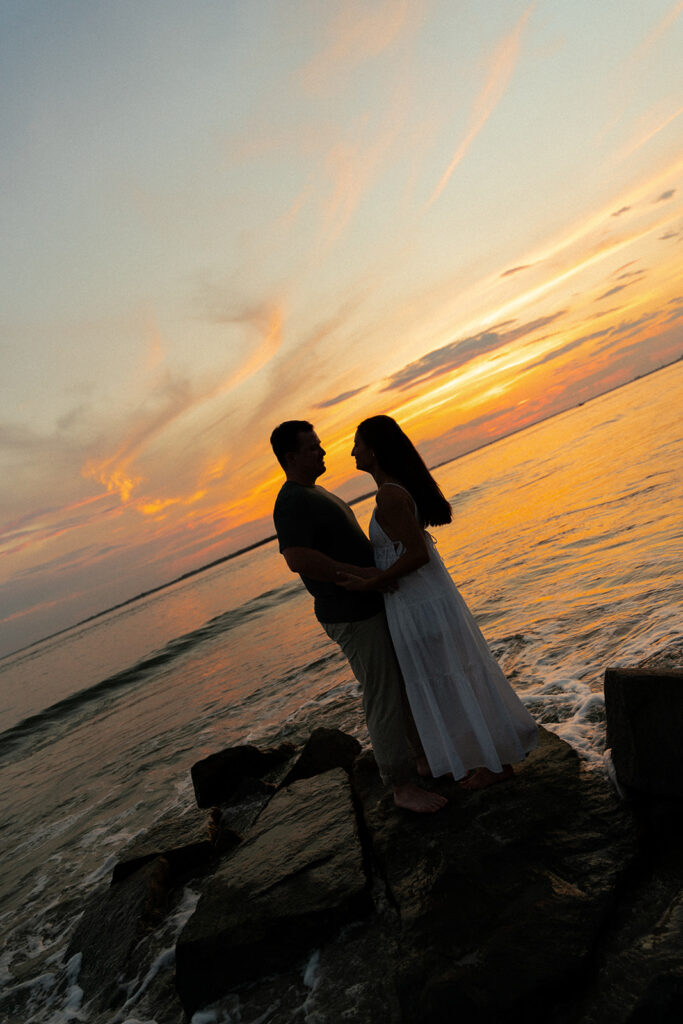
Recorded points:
(175,396)
(641,57)
(48,525)
(658,31)
(515,270)
(351,167)
(589,230)
(501,67)
(455,355)
(611,291)
(357,34)
(650,134)
(557,353)
(338,399)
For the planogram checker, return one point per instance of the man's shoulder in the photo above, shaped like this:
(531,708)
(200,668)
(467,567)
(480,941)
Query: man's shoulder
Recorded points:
(293,498)
(290,491)
(294,492)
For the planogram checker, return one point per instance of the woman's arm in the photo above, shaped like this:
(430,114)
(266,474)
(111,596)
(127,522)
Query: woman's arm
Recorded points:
(317,566)
(396,516)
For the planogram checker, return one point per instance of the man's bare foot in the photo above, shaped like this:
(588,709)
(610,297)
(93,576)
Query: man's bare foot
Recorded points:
(423,769)
(482,778)
(411,798)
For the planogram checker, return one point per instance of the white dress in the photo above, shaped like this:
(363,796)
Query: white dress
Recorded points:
(466,712)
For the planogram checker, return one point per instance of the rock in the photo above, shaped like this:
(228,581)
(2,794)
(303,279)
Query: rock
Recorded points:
(639,973)
(644,711)
(231,775)
(111,927)
(491,910)
(355,978)
(668,657)
(324,750)
(231,823)
(662,1002)
(183,839)
(502,895)
(298,876)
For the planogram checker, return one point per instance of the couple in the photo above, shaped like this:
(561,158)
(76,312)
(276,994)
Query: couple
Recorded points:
(389,602)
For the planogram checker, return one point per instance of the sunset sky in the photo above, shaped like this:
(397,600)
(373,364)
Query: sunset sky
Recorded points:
(219,215)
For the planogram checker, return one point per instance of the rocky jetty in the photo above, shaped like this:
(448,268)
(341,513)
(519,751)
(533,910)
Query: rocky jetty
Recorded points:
(546,898)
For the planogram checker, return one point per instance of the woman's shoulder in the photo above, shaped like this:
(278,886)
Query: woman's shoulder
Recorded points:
(393,495)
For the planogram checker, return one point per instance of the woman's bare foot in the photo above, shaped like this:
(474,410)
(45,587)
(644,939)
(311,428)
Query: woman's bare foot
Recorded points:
(482,778)
(423,769)
(411,798)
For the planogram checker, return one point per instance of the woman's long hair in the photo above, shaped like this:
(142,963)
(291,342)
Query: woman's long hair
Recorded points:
(397,455)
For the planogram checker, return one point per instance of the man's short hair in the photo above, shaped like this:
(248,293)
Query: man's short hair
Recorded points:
(285,438)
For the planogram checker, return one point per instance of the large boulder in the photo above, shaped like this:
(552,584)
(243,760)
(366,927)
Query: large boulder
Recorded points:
(111,927)
(325,749)
(182,838)
(236,773)
(644,712)
(297,877)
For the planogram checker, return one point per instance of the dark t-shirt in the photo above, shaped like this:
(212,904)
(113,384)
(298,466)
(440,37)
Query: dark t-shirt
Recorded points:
(311,517)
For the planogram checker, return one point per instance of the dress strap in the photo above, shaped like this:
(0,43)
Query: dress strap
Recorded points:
(390,483)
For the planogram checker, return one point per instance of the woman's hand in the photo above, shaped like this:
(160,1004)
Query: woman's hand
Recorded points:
(350,582)
(362,572)
(370,580)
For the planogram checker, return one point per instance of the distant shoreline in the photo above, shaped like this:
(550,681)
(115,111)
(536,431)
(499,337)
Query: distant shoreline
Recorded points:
(353,501)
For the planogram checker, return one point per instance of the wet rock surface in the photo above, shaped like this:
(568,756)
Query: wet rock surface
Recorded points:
(112,926)
(639,968)
(289,887)
(182,839)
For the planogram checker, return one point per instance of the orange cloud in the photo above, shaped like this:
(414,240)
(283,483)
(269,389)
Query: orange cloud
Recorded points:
(115,472)
(502,65)
(158,505)
(31,610)
(117,481)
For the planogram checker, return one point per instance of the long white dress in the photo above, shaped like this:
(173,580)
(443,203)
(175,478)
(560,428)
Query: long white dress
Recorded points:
(466,712)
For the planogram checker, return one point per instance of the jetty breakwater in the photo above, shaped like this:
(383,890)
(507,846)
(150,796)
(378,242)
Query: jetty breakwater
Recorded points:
(312,897)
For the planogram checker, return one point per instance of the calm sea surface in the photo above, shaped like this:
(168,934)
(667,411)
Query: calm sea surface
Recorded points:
(567,544)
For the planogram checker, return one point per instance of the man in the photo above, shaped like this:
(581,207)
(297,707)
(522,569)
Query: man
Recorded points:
(320,538)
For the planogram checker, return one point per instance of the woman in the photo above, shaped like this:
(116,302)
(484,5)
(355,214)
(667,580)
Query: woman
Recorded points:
(471,722)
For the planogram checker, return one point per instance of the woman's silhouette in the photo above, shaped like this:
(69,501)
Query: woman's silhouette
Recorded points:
(471,722)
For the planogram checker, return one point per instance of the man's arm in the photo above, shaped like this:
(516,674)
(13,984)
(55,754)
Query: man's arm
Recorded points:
(317,566)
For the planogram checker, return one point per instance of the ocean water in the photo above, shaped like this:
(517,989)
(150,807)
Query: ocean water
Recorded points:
(567,544)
